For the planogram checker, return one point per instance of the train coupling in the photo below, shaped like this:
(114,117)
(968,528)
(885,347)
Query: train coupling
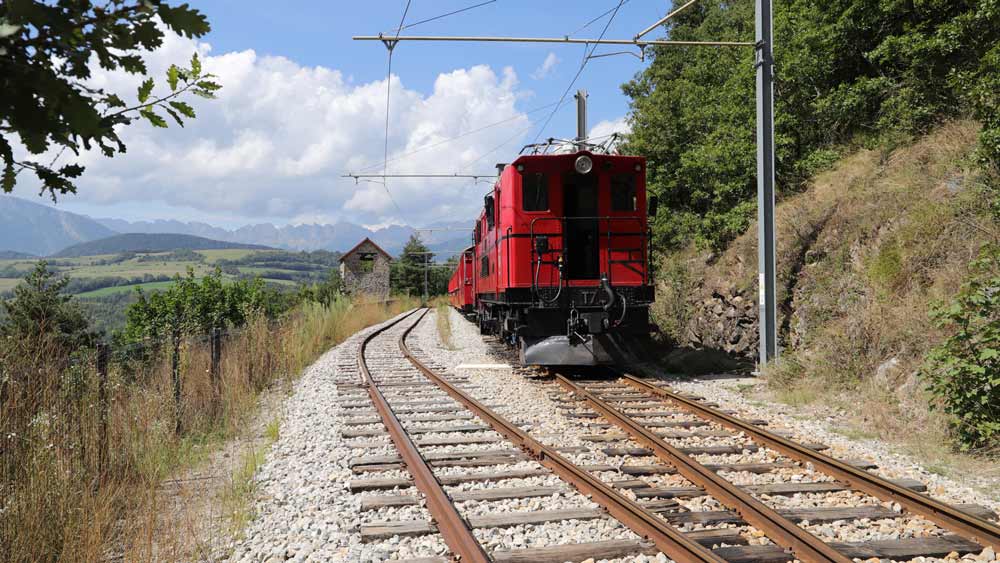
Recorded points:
(588,322)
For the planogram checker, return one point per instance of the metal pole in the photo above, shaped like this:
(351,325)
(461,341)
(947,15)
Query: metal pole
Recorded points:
(102,405)
(426,270)
(581,118)
(765,181)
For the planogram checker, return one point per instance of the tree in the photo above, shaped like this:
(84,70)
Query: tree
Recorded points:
(407,273)
(194,307)
(41,314)
(48,51)
(849,72)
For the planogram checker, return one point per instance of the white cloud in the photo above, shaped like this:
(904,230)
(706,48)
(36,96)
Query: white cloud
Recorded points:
(606,127)
(277,139)
(551,60)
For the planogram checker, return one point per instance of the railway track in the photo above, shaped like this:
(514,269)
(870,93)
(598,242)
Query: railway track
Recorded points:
(687,479)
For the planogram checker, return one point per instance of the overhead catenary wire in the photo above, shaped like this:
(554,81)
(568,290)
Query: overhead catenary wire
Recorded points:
(388,97)
(457,137)
(459,11)
(579,71)
(591,22)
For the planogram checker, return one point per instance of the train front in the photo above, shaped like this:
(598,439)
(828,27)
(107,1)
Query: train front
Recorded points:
(578,252)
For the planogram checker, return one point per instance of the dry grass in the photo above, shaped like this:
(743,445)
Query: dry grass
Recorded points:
(61,503)
(900,232)
(862,256)
(444,322)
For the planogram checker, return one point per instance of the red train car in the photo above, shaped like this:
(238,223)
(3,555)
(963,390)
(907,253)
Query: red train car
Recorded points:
(461,286)
(562,258)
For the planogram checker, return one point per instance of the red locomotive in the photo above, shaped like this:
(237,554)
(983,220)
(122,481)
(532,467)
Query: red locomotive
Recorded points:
(561,258)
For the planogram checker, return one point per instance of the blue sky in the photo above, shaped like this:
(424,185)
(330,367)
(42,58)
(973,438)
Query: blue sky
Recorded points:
(319,33)
(302,103)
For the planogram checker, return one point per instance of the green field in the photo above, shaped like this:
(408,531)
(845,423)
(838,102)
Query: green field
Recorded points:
(103,292)
(93,268)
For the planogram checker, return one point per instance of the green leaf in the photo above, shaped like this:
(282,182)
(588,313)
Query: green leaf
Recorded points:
(8,29)
(154,119)
(184,108)
(114,101)
(173,73)
(145,89)
(208,85)
(989,354)
(9,178)
(195,64)
(174,115)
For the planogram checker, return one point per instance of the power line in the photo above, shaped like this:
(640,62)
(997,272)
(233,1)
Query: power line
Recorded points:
(459,11)
(591,22)
(459,136)
(583,65)
(388,96)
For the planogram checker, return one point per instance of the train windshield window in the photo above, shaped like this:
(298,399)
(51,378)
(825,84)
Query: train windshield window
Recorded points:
(535,192)
(623,192)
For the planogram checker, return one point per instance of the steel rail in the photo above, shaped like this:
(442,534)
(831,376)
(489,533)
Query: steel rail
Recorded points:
(966,525)
(567,40)
(453,528)
(784,532)
(643,522)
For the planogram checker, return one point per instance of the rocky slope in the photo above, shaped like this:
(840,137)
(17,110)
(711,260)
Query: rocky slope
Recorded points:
(861,256)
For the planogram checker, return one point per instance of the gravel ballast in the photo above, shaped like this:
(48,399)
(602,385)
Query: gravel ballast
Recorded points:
(304,510)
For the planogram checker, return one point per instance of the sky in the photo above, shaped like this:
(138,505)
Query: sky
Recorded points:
(302,103)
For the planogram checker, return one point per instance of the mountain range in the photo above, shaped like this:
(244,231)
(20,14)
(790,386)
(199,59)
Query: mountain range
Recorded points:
(40,230)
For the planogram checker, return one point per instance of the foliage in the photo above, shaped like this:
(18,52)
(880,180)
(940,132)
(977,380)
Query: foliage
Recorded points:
(963,373)
(40,311)
(192,306)
(408,271)
(325,293)
(848,72)
(47,54)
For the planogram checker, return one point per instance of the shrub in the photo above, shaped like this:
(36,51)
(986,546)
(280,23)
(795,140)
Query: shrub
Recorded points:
(963,372)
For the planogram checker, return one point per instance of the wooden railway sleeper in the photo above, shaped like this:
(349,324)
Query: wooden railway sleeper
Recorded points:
(454,529)
(640,520)
(781,530)
(942,514)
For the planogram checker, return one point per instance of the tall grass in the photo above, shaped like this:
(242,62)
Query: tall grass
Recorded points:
(444,322)
(63,499)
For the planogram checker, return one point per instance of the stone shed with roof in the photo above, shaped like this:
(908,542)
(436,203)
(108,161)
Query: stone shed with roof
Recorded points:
(365,270)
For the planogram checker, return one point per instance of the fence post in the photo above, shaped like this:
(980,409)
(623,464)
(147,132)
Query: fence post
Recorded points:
(175,365)
(215,369)
(102,405)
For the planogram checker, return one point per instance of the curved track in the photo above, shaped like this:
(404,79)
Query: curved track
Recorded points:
(406,388)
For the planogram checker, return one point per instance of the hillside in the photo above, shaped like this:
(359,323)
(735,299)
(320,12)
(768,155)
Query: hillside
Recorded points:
(13,255)
(863,257)
(337,237)
(40,230)
(149,242)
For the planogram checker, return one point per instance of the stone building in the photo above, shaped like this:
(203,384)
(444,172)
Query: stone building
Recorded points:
(365,270)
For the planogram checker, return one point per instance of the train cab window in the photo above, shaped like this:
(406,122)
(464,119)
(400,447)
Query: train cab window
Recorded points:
(484,267)
(623,192)
(478,233)
(490,213)
(535,192)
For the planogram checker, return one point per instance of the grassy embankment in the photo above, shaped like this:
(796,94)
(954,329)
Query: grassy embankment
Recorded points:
(61,503)
(864,254)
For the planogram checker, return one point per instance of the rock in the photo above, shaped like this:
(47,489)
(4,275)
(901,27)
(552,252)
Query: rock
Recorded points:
(888,372)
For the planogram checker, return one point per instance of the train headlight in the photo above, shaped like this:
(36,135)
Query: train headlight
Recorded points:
(583,164)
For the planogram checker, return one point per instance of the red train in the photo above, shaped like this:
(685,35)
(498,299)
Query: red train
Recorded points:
(461,286)
(560,265)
